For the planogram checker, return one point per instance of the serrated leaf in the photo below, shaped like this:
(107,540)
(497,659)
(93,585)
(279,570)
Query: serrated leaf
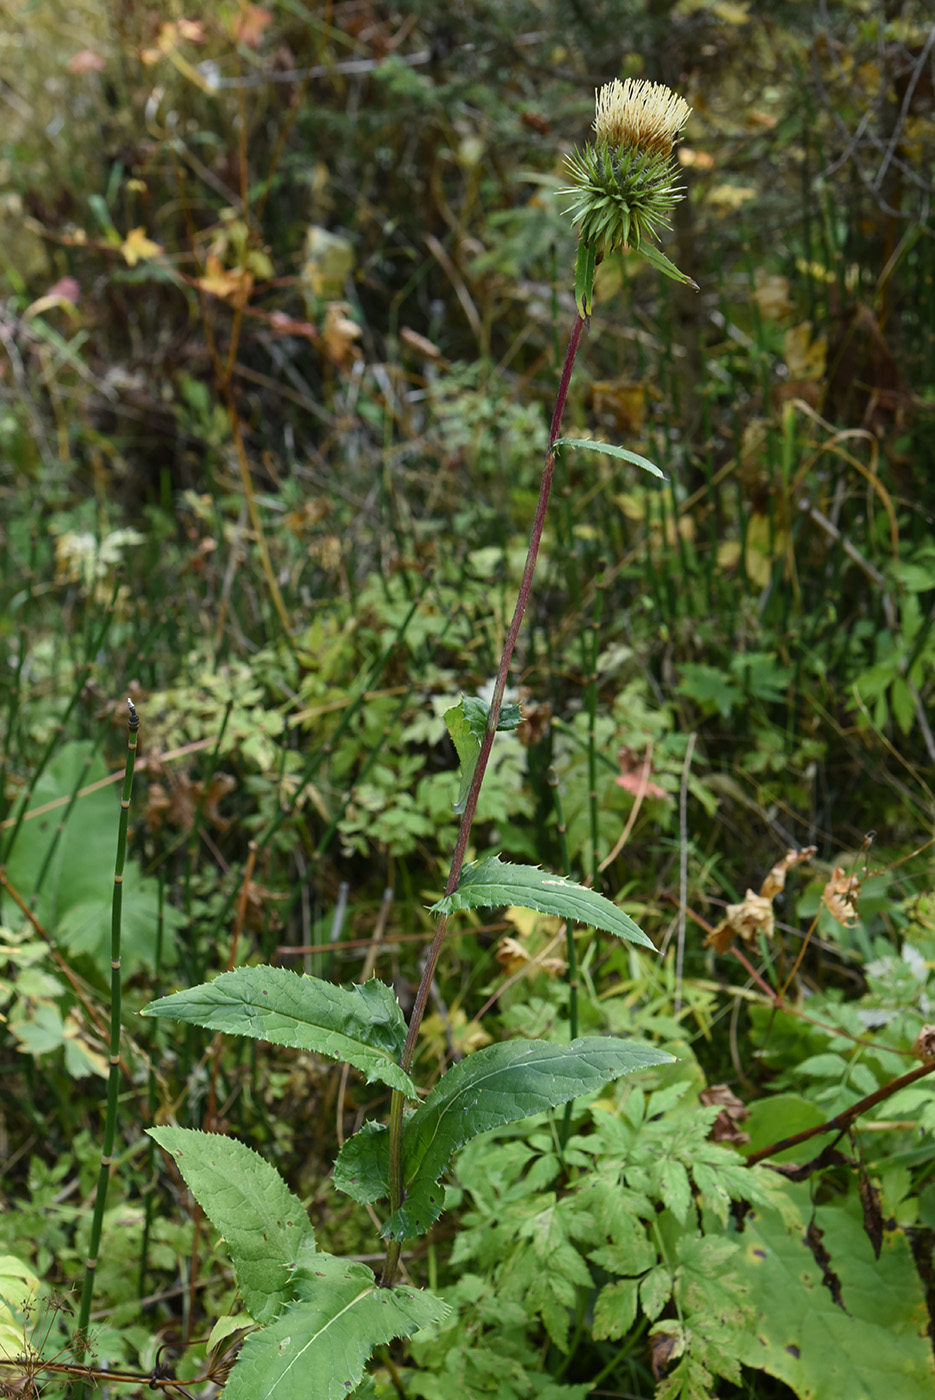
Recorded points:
(265,1225)
(486,884)
(362,1025)
(467,723)
(615,1310)
(585,264)
(655,1291)
(622,452)
(674,1188)
(499,1084)
(321,1343)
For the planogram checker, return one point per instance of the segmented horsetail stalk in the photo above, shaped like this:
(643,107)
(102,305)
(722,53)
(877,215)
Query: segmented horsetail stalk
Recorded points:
(113,1078)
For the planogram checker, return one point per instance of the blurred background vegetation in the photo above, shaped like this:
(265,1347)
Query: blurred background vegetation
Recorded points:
(284,294)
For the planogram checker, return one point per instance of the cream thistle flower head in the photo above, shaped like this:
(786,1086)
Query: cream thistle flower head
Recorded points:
(624,182)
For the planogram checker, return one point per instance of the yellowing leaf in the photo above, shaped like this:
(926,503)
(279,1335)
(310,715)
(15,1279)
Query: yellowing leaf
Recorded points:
(804,356)
(771,294)
(136,247)
(700,160)
(731,196)
(230,284)
(633,507)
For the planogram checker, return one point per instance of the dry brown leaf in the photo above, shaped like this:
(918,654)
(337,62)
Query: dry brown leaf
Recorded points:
(839,897)
(511,955)
(733,1111)
(776,879)
(752,916)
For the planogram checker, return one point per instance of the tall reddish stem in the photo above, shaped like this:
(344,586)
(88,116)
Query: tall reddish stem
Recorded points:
(467,820)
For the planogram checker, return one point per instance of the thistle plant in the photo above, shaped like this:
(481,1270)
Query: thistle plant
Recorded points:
(317,1315)
(624,182)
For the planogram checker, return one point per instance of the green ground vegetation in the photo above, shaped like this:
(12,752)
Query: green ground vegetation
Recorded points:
(285,292)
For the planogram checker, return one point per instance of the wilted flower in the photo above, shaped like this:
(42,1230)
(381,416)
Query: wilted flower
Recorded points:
(624,183)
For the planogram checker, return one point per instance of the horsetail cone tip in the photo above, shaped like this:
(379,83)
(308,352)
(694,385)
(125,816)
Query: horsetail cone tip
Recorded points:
(624,181)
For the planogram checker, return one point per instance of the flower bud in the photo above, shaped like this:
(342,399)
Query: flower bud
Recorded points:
(624,181)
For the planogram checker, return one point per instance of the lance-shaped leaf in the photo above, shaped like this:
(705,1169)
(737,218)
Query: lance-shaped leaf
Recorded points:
(362,1025)
(613,451)
(320,1345)
(585,266)
(486,884)
(467,723)
(497,1085)
(661,263)
(264,1224)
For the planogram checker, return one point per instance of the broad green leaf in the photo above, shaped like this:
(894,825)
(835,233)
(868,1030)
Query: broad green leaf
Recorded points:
(872,1344)
(362,1025)
(265,1225)
(661,263)
(489,883)
(613,451)
(585,264)
(18,1289)
(467,723)
(73,891)
(320,1345)
(500,1084)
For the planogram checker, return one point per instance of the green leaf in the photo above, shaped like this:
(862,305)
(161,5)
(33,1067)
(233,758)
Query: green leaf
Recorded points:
(615,1310)
(872,1344)
(492,882)
(362,1025)
(661,263)
(585,264)
(500,1084)
(467,724)
(320,1345)
(902,704)
(265,1225)
(613,451)
(72,894)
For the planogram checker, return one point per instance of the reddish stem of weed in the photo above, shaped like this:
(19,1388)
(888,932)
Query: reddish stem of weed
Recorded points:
(467,820)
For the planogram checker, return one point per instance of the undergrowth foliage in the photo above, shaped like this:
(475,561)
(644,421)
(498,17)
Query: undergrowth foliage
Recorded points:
(280,341)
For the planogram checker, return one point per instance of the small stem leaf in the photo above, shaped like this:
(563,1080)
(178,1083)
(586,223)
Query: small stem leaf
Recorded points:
(622,452)
(500,1084)
(467,723)
(266,1227)
(487,884)
(661,263)
(320,1345)
(585,264)
(362,1025)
